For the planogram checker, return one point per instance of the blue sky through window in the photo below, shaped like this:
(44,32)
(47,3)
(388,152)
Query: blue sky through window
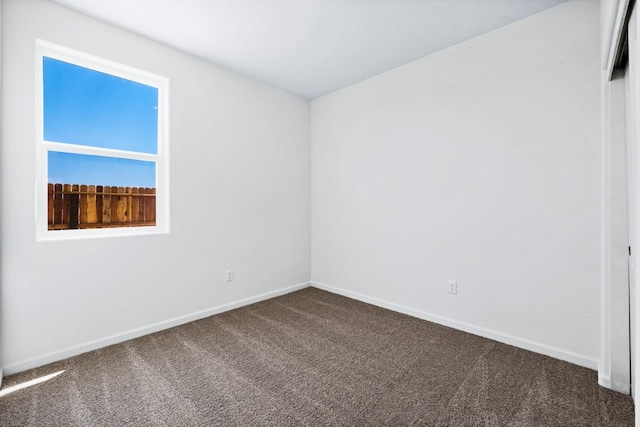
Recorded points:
(82,169)
(91,108)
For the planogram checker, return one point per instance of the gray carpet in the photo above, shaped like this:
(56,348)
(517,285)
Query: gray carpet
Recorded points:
(313,358)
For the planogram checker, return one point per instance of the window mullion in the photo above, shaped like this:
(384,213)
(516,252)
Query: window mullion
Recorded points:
(98,151)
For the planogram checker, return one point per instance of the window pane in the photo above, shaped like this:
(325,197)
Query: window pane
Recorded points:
(86,192)
(68,168)
(87,107)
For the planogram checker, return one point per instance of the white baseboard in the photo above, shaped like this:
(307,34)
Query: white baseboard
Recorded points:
(466,327)
(138,332)
(536,347)
(605,381)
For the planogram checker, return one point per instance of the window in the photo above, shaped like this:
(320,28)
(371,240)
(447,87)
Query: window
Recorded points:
(102,147)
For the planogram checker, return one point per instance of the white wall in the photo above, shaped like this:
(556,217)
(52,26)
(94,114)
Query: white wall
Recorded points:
(480,164)
(239,200)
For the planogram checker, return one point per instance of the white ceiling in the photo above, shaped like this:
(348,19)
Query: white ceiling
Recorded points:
(310,47)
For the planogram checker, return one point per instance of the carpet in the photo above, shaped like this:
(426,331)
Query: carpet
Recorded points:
(312,358)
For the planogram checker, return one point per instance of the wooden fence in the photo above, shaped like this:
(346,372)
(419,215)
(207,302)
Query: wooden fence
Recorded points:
(73,206)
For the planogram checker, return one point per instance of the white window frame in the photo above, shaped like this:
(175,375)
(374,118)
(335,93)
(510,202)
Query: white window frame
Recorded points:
(161,159)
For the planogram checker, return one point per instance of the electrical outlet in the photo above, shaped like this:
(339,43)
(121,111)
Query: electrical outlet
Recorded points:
(453,287)
(229,276)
